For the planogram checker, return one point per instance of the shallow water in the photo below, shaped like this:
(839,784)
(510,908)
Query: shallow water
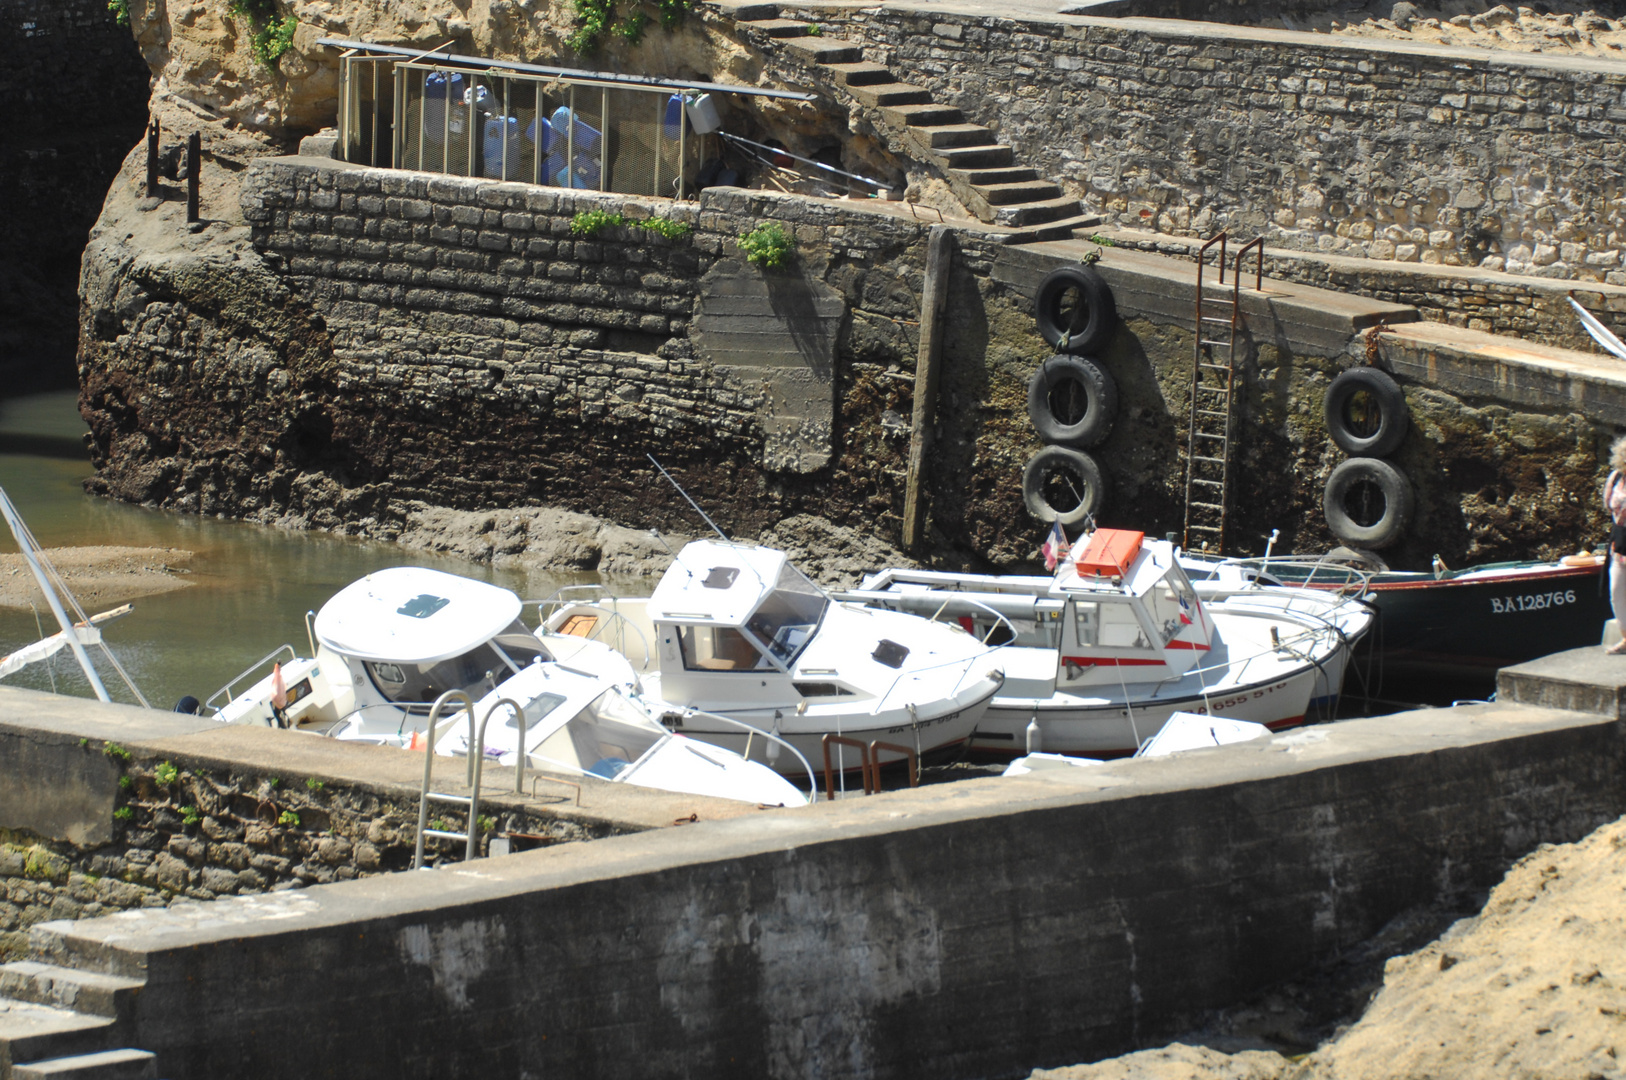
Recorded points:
(251,585)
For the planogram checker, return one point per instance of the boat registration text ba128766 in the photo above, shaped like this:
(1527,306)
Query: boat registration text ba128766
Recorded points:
(1504,605)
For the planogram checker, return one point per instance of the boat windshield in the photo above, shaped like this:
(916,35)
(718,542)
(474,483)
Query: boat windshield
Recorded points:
(718,648)
(1172,604)
(604,739)
(786,619)
(1108,623)
(476,672)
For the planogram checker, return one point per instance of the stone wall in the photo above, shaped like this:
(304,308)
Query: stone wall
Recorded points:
(1365,148)
(987,930)
(75,91)
(186,829)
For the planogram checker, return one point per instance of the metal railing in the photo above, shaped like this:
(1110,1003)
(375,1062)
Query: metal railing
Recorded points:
(268,658)
(477,753)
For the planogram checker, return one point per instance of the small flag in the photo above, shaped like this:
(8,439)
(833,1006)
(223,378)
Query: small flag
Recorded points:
(1055,546)
(279,691)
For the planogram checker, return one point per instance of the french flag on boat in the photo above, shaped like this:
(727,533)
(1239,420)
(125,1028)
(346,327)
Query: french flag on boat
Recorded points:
(1055,546)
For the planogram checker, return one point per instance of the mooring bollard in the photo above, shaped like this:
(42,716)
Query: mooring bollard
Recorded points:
(194,156)
(152,160)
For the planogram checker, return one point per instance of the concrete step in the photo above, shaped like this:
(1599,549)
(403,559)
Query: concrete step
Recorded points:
(106,1065)
(30,1032)
(1011,174)
(862,73)
(90,992)
(58,943)
(780,28)
(949,135)
(1079,227)
(987,156)
(754,12)
(930,115)
(1037,213)
(1026,191)
(822,50)
(882,95)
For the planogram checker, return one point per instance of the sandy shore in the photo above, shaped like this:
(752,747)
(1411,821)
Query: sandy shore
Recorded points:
(99,576)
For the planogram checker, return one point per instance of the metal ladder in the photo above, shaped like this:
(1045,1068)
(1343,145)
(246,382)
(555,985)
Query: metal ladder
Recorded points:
(477,753)
(1213,381)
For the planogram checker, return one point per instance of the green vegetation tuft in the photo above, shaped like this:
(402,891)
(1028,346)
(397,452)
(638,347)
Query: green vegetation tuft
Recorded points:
(116,752)
(595,18)
(815,30)
(485,824)
(166,773)
(288,817)
(126,782)
(1104,241)
(587,223)
(120,10)
(123,813)
(672,230)
(189,814)
(273,33)
(768,245)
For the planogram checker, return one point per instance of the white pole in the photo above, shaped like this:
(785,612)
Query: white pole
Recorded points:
(20,531)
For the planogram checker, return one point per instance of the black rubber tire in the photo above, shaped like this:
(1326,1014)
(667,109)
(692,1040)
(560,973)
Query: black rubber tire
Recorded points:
(1398,501)
(1061,381)
(1088,325)
(1087,479)
(1385,396)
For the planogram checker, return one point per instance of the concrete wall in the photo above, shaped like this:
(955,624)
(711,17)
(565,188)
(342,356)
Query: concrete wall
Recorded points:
(75,90)
(978,929)
(1362,147)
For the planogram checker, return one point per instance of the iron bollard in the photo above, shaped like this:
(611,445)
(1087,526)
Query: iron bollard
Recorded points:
(194,156)
(152,160)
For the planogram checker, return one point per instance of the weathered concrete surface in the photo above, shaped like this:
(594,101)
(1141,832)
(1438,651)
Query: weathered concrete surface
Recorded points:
(977,929)
(1586,680)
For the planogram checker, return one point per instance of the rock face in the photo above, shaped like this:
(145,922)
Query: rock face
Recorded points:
(75,92)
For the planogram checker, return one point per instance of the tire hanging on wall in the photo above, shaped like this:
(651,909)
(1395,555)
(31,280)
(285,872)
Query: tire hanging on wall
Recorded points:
(1380,494)
(1366,412)
(1074,310)
(1063,484)
(1072,401)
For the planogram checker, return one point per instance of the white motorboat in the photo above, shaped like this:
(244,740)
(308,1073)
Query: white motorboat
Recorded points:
(387,646)
(1100,655)
(735,630)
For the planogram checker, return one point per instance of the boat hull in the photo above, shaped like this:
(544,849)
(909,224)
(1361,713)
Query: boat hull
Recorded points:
(1110,728)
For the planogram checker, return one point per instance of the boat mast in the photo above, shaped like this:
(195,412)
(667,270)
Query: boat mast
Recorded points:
(26,542)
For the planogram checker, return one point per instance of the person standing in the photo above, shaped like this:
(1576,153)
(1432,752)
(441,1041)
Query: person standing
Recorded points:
(1614,500)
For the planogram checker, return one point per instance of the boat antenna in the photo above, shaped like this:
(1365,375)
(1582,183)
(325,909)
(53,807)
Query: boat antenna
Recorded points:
(661,540)
(685,495)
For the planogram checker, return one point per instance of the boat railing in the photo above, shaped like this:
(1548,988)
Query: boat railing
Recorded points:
(962,598)
(752,731)
(268,659)
(557,601)
(1237,666)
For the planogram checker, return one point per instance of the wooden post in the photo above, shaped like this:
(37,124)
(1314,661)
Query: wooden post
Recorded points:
(194,161)
(152,160)
(939,257)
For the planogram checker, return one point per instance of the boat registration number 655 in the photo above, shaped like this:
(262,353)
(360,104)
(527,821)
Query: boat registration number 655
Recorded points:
(1504,605)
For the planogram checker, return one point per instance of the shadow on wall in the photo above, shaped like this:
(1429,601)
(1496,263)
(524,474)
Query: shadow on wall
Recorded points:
(1255,13)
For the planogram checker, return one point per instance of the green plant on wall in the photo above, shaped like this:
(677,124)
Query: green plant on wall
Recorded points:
(120,10)
(768,245)
(592,222)
(273,33)
(166,773)
(595,18)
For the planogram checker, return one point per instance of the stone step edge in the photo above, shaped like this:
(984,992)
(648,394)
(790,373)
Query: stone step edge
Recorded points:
(122,1064)
(93,992)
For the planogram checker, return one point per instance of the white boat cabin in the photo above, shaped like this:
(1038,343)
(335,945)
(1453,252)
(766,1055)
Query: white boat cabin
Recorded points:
(731,619)
(1130,613)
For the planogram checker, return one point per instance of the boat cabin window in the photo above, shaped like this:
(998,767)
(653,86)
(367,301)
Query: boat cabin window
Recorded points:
(604,739)
(1172,605)
(1108,624)
(718,648)
(420,684)
(786,619)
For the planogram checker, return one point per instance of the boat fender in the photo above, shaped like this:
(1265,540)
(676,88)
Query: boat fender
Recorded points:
(1070,477)
(189,705)
(1072,401)
(1074,310)
(1365,435)
(1372,485)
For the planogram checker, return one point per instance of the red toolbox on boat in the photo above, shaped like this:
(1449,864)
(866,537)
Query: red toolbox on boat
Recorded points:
(1110,552)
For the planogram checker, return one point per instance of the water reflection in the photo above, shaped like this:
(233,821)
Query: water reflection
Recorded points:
(251,585)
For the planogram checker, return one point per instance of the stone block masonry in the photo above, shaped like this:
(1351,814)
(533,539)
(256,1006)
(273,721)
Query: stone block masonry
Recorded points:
(984,928)
(1384,150)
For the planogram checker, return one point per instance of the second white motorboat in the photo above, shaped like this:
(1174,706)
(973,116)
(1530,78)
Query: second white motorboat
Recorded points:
(735,630)
(1099,656)
(386,647)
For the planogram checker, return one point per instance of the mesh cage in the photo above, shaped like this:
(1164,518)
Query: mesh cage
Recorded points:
(538,130)
(367,109)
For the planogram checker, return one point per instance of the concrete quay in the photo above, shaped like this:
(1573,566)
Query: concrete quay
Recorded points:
(976,929)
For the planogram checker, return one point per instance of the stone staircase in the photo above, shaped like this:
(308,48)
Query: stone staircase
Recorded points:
(65,1023)
(980,170)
